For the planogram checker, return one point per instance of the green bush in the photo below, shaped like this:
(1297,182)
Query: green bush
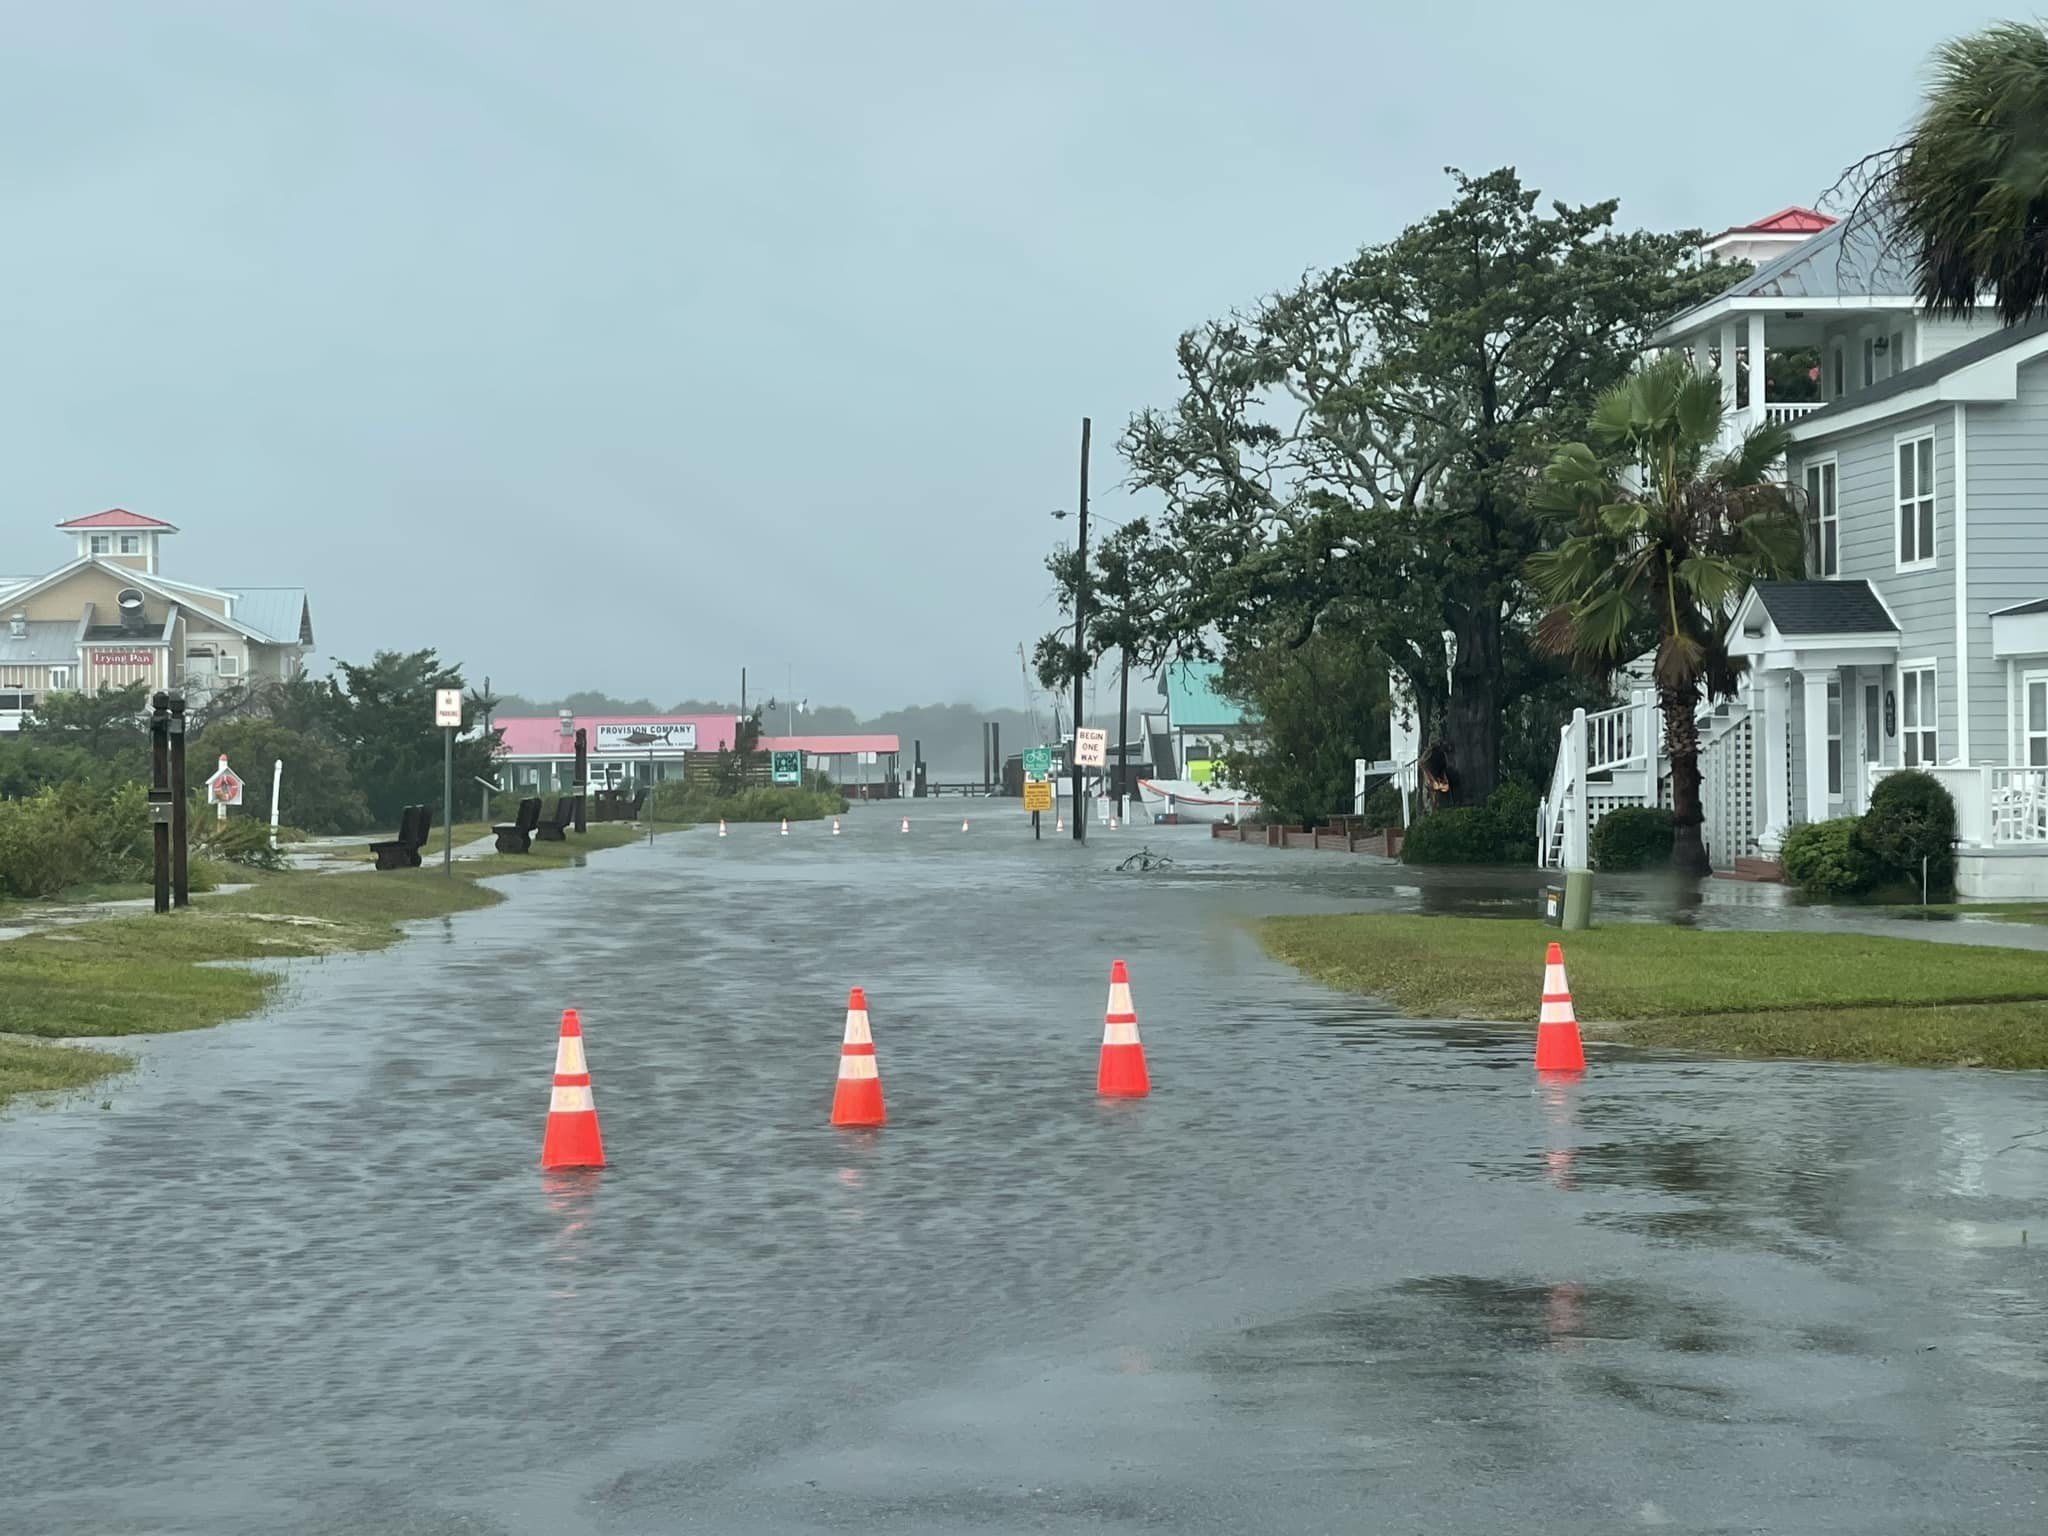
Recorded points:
(239,840)
(70,835)
(678,801)
(1632,837)
(1513,808)
(1911,818)
(1828,858)
(1502,831)
(1463,834)
(1383,808)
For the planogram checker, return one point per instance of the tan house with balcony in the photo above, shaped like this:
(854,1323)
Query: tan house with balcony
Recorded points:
(110,617)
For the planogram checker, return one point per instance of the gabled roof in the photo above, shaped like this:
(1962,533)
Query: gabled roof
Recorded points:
(117,517)
(280,613)
(1192,701)
(128,576)
(1824,608)
(1794,220)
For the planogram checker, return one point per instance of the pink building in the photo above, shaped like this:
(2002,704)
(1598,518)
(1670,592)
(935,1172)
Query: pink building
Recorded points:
(540,750)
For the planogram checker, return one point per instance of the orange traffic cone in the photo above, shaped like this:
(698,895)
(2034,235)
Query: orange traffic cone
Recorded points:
(1112,823)
(785,826)
(571,1140)
(963,823)
(1059,823)
(906,825)
(721,826)
(1558,1048)
(1121,1074)
(835,826)
(857,1099)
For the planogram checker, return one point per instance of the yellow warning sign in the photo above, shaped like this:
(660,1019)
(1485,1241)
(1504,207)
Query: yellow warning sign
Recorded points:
(1037,795)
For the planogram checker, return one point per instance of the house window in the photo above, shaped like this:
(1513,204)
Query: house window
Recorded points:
(1900,362)
(1917,705)
(14,702)
(1824,551)
(1838,372)
(131,543)
(1835,737)
(2037,720)
(1869,361)
(102,543)
(230,666)
(60,679)
(1913,489)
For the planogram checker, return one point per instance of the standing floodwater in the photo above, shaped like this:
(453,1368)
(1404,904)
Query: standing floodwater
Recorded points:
(1336,1272)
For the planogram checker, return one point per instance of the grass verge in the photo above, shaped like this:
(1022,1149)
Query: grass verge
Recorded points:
(145,974)
(1838,997)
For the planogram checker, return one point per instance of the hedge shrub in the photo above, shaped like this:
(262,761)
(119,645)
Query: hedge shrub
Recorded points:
(1911,817)
(1632,837)
(1382,808)
(1828,858)
(1503,831)
(72,835)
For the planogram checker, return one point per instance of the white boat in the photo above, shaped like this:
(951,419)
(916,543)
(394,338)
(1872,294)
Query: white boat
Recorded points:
(1189,801)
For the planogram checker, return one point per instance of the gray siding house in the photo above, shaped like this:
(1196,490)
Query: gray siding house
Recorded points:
(1920,639)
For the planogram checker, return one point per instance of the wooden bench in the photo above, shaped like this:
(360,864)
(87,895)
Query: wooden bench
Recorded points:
(555,829)
(516,835)
(403,851)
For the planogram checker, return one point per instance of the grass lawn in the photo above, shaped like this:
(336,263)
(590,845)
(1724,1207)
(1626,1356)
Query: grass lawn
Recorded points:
(1842,997)
(145,974)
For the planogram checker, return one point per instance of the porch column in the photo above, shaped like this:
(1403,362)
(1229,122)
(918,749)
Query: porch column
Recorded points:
(1774,694)
(1728,365)
(1756,367)
(1815,687)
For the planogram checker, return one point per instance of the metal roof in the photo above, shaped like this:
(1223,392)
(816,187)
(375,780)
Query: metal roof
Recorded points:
(1825,608)
(273,611)
(47,640)
(1858,258)
(1192,701)
(2038,605)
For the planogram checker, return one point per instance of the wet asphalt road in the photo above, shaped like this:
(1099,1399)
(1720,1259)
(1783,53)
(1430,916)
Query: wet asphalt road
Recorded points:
(1341,1272)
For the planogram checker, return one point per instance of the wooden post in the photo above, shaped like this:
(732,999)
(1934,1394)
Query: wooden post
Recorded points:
(181,884)
(160,794)
(582,774)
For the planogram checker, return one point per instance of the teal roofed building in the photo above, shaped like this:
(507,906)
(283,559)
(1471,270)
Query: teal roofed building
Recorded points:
(1199,719)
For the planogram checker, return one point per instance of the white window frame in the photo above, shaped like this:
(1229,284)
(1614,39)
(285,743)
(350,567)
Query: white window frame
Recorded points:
(227,664)
(1869,360)
(2029,735)
(99,543)
(1926,716)
(1838,371)
(1920,561)
(1899,364)
(1825,515)
(1836,704)
(60,679)
(131,543)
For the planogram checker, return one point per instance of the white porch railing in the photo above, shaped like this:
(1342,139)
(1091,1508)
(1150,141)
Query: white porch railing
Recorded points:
(1610,742)
(1728,787)
(2019,805)
(1782,413)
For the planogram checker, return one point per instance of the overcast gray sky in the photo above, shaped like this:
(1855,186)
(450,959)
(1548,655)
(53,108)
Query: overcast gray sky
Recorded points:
(619,345)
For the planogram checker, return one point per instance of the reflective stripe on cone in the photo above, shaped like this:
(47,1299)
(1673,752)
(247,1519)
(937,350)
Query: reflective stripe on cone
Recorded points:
(571,1139)
(1558,1047)
(857,1096)
(1121,1073)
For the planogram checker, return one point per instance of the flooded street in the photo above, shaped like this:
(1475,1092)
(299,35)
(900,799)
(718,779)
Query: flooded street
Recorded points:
(1340,1272)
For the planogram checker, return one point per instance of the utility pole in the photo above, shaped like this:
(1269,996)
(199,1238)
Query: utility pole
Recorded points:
(160,810)
(1080,631)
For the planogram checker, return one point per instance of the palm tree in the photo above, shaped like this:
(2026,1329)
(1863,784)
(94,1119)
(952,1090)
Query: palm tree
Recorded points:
(1969,187)
(1656,543)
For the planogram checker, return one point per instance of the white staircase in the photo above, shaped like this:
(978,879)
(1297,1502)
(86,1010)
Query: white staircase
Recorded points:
(1616,757)
(1607,759)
